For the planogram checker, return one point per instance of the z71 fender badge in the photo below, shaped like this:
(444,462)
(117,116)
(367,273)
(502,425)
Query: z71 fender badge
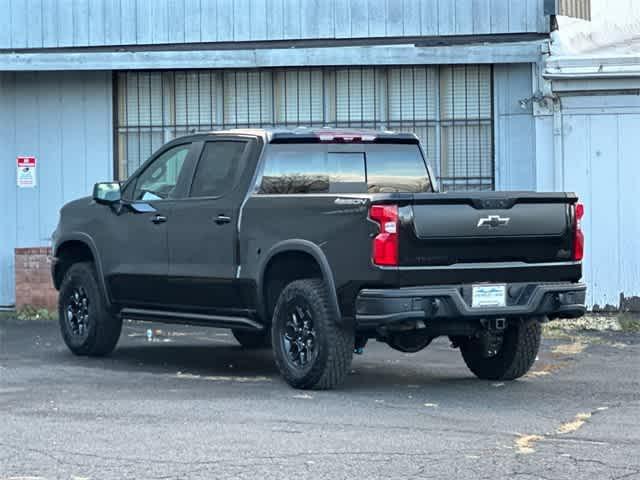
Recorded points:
(350,201)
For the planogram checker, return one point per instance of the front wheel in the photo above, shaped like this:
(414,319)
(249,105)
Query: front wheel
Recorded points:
(87,327)
(311,349)
(518,352)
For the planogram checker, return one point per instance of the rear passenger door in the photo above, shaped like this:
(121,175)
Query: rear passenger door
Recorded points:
(203,232)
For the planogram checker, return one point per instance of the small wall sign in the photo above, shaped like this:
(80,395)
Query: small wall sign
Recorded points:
(26,172)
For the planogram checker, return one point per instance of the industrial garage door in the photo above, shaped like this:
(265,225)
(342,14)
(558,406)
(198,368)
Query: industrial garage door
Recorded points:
(449,108)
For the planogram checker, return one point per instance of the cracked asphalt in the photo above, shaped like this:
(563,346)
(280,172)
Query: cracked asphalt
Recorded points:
(193,404)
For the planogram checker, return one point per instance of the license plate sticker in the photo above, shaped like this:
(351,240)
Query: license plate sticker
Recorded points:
(484,296)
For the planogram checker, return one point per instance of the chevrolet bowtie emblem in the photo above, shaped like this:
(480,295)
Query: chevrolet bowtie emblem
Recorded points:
(493,221)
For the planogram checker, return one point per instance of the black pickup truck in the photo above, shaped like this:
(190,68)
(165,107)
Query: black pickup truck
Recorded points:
(313,242)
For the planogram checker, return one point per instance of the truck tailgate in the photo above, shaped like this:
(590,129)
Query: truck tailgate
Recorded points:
(446,229)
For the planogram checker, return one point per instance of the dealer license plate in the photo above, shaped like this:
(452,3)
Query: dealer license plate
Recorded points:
(484,296)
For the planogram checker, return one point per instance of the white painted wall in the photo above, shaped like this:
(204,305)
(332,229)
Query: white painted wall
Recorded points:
(600,149)
(614,22)
(620,11)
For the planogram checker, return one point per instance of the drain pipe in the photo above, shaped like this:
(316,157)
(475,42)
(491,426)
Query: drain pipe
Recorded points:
(547,113)
(554,103)
(558,146)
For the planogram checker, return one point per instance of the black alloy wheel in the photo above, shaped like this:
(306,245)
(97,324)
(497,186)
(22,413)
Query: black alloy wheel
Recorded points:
(299,335)
(312,347)
(77,313)
(86,324)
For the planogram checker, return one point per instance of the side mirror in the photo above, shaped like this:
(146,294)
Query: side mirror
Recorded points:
(107,193)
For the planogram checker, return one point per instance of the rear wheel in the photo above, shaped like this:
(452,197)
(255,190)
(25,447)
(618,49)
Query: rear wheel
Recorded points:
(311,349)
(514,358)
(253,340)
(87,327)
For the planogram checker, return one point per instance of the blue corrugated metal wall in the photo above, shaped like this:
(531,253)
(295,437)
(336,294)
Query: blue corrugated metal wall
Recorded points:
(515,137)
(65,120)
(68,23)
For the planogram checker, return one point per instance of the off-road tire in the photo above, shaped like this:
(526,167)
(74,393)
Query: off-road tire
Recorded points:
(103,329)
(334,341)
(514,359)
(253,340)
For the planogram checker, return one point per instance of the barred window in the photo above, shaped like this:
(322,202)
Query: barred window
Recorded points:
(449,108)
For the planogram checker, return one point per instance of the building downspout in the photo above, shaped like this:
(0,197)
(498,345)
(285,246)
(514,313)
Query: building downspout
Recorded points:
(554,103)
(558,148)
(548,124)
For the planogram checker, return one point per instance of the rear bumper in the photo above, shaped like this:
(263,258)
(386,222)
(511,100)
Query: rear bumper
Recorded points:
(379,307)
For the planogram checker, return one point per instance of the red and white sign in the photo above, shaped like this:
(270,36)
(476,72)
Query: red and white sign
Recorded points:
(26,172)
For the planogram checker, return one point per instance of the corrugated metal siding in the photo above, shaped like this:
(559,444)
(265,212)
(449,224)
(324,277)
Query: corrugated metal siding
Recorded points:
(68,23)
(65,120)
(574,8)
(601,147)
(515,134)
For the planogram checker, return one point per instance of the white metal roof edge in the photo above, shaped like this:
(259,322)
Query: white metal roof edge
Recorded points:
(592,66)
(603,48)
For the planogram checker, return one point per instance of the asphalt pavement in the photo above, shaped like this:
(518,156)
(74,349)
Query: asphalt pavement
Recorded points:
(191,403)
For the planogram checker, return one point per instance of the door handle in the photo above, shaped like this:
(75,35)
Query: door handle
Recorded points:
(158,219)
(222,219)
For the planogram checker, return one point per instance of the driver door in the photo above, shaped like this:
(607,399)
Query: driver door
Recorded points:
(136,234)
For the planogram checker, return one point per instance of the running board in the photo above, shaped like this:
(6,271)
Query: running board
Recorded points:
(199,319)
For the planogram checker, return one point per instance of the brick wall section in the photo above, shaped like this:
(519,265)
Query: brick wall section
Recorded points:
(34,287)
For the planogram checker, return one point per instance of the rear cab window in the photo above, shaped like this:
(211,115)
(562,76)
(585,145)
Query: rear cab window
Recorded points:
(338,168)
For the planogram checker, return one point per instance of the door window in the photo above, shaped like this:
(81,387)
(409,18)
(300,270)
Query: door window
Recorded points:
(159,179)
(220,164)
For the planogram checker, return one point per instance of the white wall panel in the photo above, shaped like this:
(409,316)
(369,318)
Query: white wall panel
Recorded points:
(600,145)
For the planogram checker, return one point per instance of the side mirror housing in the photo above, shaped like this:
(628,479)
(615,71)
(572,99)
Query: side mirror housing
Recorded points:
(107,193)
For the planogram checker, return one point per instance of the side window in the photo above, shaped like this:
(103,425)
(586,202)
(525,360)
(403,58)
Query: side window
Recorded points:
(304,168)
(159,179)
(295,169)
(217,169)
(399,168)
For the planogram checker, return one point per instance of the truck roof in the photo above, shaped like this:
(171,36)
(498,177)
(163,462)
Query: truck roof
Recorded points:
(320,135)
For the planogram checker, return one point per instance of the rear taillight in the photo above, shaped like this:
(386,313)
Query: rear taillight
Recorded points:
(385,244)
(578,236)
